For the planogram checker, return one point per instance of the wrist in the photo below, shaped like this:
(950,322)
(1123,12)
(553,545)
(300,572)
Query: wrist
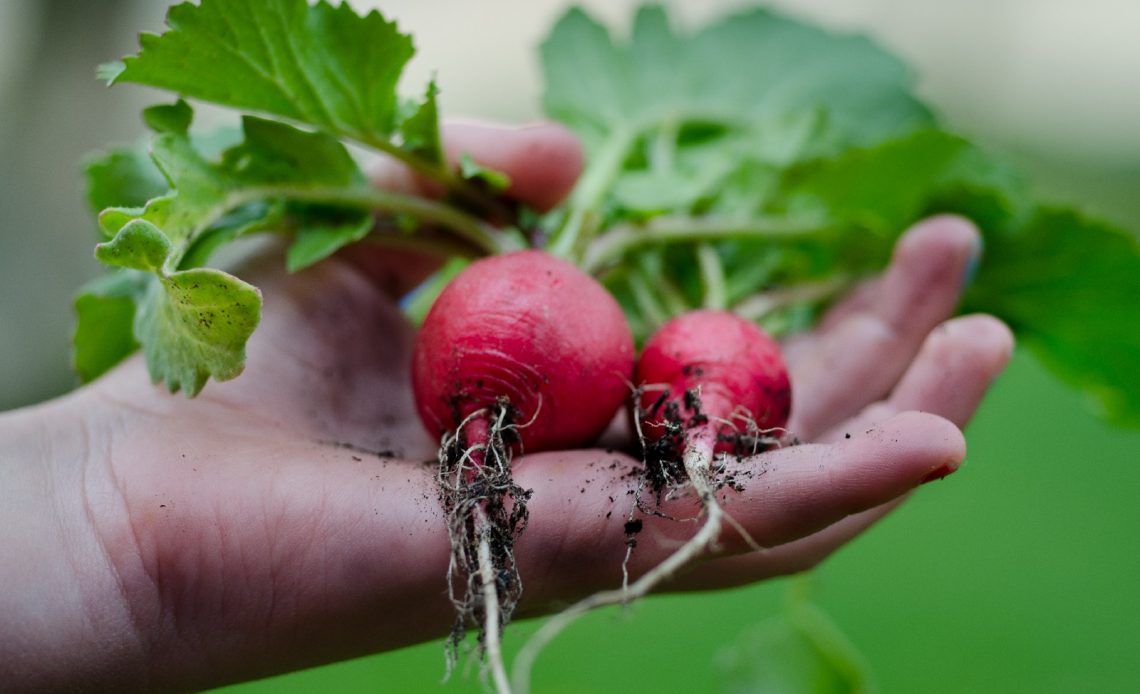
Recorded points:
(65,621)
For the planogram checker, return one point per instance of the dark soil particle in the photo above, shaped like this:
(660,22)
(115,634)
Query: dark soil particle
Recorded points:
(384,453)
(633,527)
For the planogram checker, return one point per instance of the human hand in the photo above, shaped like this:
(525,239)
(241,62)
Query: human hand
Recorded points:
(287,519)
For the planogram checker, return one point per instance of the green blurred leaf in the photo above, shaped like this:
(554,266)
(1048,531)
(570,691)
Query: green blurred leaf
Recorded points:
(1070,287)
(800,651)
(756,64)
(708,122)
(417,304)
(139,245)
(169,118)
(883,188)
(420,129)
(316,241)
(105,313)
(122,177)
(471,170)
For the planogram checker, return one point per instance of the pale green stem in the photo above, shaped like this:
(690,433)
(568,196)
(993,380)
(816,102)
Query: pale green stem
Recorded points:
(712,277)
(665,145)
(619,240)
(667,291)
(671,295)
(585,202)
(440,173)
(480,234)
(483,237)
(650,308)
(760,305)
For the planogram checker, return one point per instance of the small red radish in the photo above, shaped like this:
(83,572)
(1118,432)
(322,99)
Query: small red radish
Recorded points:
(533,331)
(707,373)
(711,382)
(519,351)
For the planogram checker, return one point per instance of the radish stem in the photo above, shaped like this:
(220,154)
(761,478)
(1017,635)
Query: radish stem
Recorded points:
(491,615)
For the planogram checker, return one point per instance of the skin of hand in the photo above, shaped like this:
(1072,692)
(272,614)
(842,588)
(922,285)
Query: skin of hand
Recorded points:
(155,542)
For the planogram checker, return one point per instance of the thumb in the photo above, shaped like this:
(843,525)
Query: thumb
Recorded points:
(542,162)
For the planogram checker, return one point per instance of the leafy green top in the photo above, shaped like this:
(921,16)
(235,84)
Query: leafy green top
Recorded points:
(321,65)
(766,67)
(758,164)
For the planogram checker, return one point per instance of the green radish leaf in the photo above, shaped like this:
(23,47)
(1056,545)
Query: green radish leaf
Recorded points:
(248,219)
(139,245)
(714,116)
(197,214)
(192,322)
(193,325)
(880,188)
(496,181)
(799,650)
(417,304)
(318,64)
(169,118)
(273,152)
(1069,288)
(420,129)
(105,313)
(756,64)
(316,240)
(122,177)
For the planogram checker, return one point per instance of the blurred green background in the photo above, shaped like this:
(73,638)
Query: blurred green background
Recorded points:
(1017,574)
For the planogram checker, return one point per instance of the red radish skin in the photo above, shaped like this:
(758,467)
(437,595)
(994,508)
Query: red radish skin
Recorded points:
(733,366)
(533,329)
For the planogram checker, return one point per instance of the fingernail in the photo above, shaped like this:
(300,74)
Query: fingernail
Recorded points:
(937,474)
(971,269)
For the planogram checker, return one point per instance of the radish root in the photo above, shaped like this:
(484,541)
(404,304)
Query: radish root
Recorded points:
(699,470)
(486,512)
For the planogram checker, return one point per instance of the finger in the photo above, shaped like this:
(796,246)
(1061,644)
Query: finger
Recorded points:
(542,162)
(857,357)
(576,542)
(958,362)
(781,560)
